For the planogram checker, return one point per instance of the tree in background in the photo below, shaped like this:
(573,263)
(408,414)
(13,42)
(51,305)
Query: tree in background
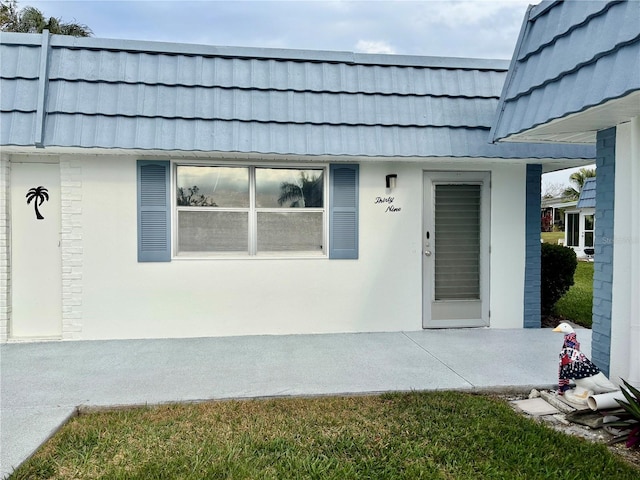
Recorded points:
(553,190)
(578,178)
(32,20)
(308,193)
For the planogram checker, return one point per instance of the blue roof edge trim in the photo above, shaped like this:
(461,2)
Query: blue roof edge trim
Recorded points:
(563,115)
(543,7)
(166,48)
(25,39)
(578,152)
(510,74)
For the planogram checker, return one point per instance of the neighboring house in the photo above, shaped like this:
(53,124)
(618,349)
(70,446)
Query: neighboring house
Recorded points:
(552,213)
(575,79)
(193,190)
(579,233)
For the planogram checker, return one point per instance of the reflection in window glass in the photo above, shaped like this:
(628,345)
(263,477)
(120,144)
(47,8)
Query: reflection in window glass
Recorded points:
(249,210)
(224,187)
(291,231)
(289,188)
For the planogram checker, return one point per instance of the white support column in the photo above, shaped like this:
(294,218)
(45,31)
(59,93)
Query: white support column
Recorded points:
(625,308)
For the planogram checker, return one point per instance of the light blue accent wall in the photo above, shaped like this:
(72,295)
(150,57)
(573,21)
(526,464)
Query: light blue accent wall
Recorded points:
(603,268)
(532,275)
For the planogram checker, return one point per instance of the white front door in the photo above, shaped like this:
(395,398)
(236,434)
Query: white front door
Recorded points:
(36,276)
(455,241)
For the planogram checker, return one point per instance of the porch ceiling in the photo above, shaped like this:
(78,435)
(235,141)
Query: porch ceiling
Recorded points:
(581,127)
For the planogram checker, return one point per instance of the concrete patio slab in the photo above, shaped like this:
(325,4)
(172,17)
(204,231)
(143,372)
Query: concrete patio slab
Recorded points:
(22,429)
(42,384)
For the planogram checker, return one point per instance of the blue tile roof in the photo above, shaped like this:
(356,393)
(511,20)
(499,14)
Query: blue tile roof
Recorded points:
(588,194)
(173,97)
(564,61)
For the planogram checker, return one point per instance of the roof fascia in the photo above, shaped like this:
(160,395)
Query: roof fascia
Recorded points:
(319,56)
(542,8)
(26,39)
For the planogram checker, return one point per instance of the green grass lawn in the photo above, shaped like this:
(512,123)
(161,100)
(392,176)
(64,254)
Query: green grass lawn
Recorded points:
(576,304)
(434,435)
(552,237)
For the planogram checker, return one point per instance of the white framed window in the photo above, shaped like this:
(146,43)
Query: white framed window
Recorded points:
(589,229)
(250,210)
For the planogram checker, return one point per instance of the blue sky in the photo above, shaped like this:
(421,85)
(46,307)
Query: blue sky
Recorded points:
(475,28)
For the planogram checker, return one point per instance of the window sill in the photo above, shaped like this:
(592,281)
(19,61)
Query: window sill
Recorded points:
(261,256)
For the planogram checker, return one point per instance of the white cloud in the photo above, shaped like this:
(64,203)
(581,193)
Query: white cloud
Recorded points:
(373,46)
(478,28)
(458,13)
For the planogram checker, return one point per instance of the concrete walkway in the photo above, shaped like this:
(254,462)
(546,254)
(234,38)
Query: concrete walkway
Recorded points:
(42,384)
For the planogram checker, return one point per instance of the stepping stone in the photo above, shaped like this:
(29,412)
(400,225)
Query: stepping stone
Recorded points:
(535,407)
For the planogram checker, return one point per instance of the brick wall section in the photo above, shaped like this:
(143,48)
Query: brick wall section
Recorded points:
(5,252)
(532,275)
(603,267)
(71,247)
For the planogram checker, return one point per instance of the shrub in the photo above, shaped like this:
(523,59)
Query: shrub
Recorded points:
(627,420)
(558,265)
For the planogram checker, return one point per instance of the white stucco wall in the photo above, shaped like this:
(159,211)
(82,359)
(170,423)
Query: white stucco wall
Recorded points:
(507,245)
(625,309)
(117,297)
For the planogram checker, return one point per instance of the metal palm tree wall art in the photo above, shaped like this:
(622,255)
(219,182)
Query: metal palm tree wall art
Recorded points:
(38,195)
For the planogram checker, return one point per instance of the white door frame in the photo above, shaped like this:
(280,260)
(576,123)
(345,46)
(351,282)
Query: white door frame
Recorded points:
(461,313)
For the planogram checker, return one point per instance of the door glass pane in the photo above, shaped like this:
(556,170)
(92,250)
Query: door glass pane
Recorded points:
(457,242)
(289,188)
(290,231)
(573,230)
(588,222)
(588,239)
(225,187)
(212,231)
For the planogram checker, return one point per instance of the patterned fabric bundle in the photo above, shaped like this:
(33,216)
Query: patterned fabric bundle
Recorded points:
(573,363)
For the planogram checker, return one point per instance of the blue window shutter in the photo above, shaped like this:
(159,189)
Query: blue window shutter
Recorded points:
(343,213)
(154,211)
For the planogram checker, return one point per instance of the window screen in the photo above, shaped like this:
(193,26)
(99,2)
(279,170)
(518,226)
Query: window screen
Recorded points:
(457,242)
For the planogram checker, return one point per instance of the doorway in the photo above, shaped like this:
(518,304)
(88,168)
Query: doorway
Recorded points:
(36,272)
(455,257)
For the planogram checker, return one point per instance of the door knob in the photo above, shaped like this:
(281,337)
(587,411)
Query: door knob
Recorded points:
(427,253)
